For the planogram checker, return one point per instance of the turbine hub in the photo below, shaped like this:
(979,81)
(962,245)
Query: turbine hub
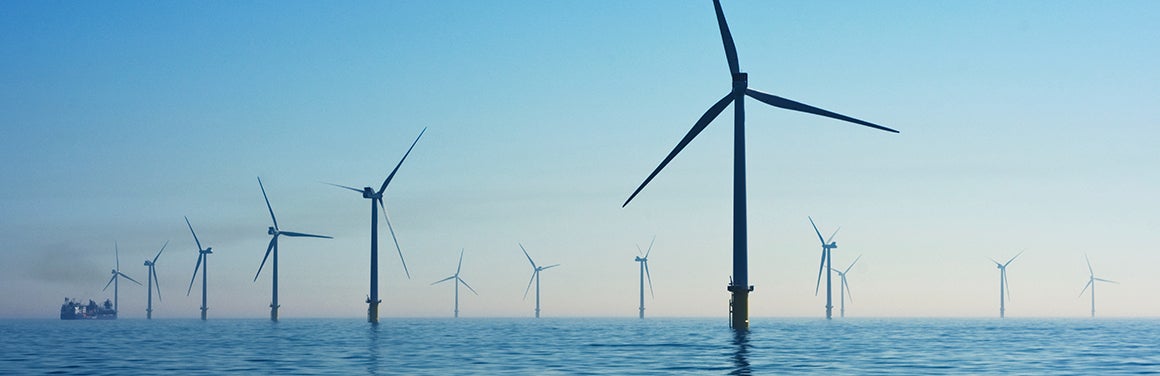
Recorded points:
(368,192)
(114,271)
(148,263)
(639,259)
(740,81)
(271,230)
(208,250)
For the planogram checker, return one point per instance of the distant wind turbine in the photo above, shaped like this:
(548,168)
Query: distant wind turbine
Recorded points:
(535,277)
(116,277)
(273,248)
(1004,287)
(152,278)
(827,248)
(1092,283)
(740,287)
(643,260)
(376,197)
(455,277)
(203,263)
(844,285)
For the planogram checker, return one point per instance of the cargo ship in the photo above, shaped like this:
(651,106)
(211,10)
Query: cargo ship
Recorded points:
(73,309)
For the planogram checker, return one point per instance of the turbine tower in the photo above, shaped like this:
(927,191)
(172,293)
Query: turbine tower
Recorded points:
(1092,283)
(1004,287)
(535,277)
(643,260)
(273,247)
(739,286)
(203,263)
(844,285)
(152,278)
(827,247)
(116,277)
(457,280)
(376,197)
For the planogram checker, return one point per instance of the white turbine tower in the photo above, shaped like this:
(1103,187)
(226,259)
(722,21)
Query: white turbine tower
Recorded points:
(1004,287)
(1092,283)
(827,246)
(457,280)
(535,277)
(643,260)
(153,282)
(845,286)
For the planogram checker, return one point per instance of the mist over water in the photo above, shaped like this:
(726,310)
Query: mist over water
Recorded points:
(581,346)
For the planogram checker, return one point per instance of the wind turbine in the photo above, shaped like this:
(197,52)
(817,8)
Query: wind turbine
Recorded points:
(844,285)
(203,263)
(376,197)
(1092,283)
(457,282)
(152,278)
(273,247)
(535,277)
(827,247)
(643,260)
(740,287)
(1004,287)
(116,276)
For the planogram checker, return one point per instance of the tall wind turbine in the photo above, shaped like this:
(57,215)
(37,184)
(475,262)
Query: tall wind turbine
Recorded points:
(535,277)
(827,247)
(844,285)
(152,278)
(1092,283)
(740,287)
(116,277)
(457,280)
(643,260)
(203,263)
(1004,287)
(376,197)
(273,247)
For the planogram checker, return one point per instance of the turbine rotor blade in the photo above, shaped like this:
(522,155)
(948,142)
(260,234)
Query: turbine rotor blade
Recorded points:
(460,266)
(1089,264)
(1013,258)
(1008,285)
(443,280)
(848,291)
(110,282)
(1105,280)
(529,288)
(117,253)
(269,248)
(272,217)
(159,252)
(528,256)
(831,239)
(726,39)
(821,267)
(852,264)
(156,282)
(1085,287)
(649,275)
(387,217)
(780,102)
(697,128)
(129,278)
(467,285)
(343,186)
(304,235)
(820,239)
(199,248)
(200,256)
(392,175)
(650,244)
(996,262)
(549,267)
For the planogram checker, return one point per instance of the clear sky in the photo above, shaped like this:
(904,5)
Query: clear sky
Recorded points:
(1029,125)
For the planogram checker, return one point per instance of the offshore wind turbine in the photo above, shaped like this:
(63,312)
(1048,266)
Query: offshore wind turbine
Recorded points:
(1004,287)
(1092,283)
(116,277)
(203,263)
(152,278)
(740,288)
(844,285)
(535,277)
(273,248)
(643,260)
(827,248)
(376,197)
(457,280)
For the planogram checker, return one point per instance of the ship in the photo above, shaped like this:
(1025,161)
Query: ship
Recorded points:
(73,309)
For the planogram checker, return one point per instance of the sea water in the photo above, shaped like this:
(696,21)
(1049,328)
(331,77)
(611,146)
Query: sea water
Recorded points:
(472,346)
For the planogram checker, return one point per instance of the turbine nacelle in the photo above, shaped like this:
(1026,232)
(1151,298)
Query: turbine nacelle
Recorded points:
(114,271)
(641,259)
(148,263)
(740,81)
(207,250)
(369,192)
(270,230)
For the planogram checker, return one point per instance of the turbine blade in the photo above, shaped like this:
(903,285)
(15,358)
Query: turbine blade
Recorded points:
(1013,258)
(1008,285)
(195,267)
(443,280)
(831,239)
(392,175)
(1085,287)
(528,256)
(199,248)
(780,102)
(529,288)
(304,235)
(726,39)
(343,186)
(821,267)
(460,266)
(820,238)
(549,267)
(129,278)
(117,254)
(269,248)
(159,252)
(639,252)
(275,219)
(848,292)
(649,276)
(110,282)
(996,262)
(697,128)
(156,282)
(650,244)
(393,237)
(1089,264)
(1105,280)
(852,264)
(467,285)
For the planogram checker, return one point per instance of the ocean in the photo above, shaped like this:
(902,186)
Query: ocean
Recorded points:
(620,346)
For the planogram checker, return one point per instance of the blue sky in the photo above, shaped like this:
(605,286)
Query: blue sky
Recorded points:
(1025,126)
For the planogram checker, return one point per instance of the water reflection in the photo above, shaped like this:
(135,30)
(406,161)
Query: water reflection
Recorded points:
(373,351)
(741,353)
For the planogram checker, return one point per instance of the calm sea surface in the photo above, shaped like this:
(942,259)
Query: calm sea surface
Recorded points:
(581,346)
